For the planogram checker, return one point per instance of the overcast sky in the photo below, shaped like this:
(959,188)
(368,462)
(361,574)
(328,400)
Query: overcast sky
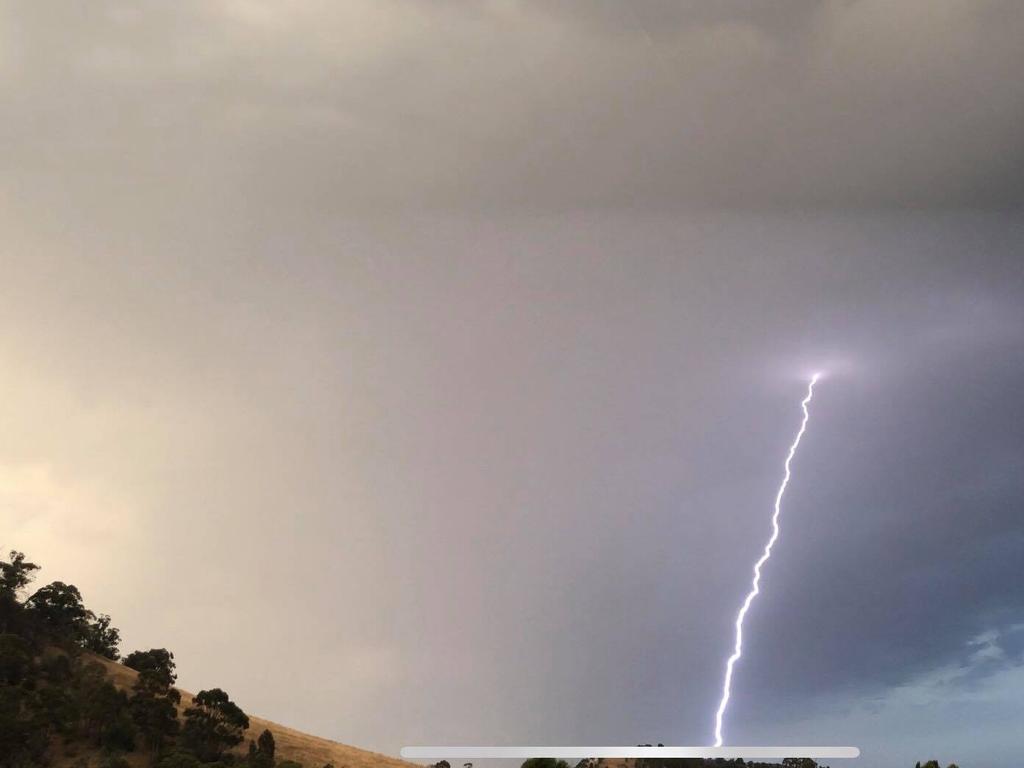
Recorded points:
(421,372)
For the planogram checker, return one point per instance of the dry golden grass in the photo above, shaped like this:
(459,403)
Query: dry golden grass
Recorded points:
(310,751)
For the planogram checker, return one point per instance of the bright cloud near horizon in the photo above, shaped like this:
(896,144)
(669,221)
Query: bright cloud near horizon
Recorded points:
(418,372)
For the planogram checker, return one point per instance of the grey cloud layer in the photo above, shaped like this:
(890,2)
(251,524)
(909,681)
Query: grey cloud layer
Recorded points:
(400,298)
(530,105)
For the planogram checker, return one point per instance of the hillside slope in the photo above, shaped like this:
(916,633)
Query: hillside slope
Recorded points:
(310,751)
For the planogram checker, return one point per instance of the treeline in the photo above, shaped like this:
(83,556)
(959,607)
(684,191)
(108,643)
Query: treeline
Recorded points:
(54,697)
(665,762)
(681,762)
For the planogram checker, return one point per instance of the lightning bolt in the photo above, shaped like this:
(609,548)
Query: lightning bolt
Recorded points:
(755,587)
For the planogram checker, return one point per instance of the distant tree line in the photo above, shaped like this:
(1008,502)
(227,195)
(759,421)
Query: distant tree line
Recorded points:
(679,762)
(682,762)
(54,694)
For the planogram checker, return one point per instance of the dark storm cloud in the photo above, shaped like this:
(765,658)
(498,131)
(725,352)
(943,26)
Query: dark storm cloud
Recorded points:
(532,105)
(803,104)
(907,541)
(902,532)
(903,528)
(665,19)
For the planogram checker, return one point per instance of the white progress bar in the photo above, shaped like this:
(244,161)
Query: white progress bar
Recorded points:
(579,753)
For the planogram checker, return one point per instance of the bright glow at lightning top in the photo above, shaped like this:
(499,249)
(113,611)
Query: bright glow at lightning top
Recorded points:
(755,586)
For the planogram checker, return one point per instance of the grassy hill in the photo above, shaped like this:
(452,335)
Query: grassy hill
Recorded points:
(309,751)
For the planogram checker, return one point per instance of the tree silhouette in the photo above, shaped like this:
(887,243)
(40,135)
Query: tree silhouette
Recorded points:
(261,751)
(16,574)
(155,703)
(100,637)
(59,608)
(213,724)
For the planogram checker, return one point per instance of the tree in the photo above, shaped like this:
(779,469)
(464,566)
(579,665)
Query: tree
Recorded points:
(669,762)
(101,638)
(107,716)
(544,762)
(154,705)
(265,744)
(155,714)
(157,663)
(261,751)
(58,606)
(16,574)
(213,725)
